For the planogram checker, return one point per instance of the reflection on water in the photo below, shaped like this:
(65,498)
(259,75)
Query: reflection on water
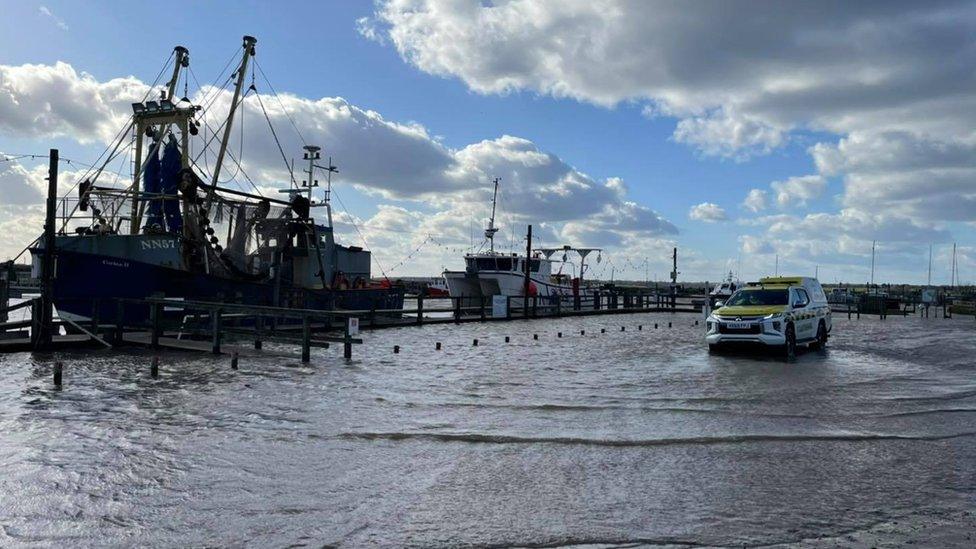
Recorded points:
(615,438)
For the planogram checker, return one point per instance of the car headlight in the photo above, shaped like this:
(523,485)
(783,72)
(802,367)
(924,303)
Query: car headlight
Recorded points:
(772,316)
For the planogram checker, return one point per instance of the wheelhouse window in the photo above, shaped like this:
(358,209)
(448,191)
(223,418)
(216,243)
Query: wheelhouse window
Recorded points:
(486,264)
(504,263)
(752,297)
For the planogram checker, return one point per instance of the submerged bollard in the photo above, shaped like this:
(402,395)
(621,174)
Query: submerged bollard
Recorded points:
(559,334)
(507,339)
(535,337)
(474,343)
(696,323)
(640,327)
(582,332)
(58,369)
(437,347)
(669,324)
(396,349)
(154,367)
(655,325)
(603,330)
(233,361)
(623,328)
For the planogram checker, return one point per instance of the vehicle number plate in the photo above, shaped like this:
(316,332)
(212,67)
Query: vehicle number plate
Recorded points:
(739,325)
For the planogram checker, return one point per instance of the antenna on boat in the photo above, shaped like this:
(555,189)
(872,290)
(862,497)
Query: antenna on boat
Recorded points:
(248,47)
(491,230)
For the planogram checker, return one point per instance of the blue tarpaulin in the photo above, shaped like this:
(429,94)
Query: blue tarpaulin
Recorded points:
(151,184)
(170,169)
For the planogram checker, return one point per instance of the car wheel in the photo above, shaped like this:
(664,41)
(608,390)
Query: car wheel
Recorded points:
(821,343)
(790,347)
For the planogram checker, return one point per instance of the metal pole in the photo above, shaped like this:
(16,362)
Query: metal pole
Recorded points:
(248,46)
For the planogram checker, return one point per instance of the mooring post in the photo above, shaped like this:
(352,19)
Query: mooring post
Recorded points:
(306,338)
(526,283)
(93,319)
(258,329)
(457,308)
(559,300)
(481,303)
(347,343)
(508,307)
(215,325)
(155,314)
(41,328)
(154,367)
(535,306)
(119,321)
(58,370)
(233,361)
(420,309)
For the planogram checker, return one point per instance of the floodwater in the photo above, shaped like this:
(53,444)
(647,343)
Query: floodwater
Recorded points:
(620,438)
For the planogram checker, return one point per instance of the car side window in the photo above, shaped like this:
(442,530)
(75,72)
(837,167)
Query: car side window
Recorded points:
(802,299)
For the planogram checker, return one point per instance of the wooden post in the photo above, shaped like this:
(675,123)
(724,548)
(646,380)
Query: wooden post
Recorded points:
(258,329)
(215,325)
(347,344)
(95,316)
(119,321)
(481,301)
(535,306)
(457,308)
(155,313)
(41,338)
(528,270)
(420,309)
(508,307)
(559,300)
(306,338)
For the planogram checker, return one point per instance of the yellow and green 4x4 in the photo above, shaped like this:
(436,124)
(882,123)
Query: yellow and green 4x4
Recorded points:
(776,311)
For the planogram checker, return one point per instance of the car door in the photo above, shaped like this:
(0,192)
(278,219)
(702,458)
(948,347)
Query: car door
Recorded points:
(804,317)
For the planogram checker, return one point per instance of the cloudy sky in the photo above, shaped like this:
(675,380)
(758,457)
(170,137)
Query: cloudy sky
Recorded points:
(737,131)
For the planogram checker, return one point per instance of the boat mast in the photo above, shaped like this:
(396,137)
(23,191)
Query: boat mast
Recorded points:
(491,230)
(181,61)
(145,120)
(248,47)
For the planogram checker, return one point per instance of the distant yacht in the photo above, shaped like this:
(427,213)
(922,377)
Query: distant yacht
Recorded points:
(496,273)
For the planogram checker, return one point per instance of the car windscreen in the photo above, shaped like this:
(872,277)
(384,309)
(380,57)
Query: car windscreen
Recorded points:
(759,297)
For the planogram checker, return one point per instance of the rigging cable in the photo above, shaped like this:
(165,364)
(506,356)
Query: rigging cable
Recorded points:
(282,105)
(354,226)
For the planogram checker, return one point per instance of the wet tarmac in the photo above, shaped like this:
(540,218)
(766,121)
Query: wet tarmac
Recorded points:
(618,438)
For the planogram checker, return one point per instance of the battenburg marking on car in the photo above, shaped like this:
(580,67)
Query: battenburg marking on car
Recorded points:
(776,311)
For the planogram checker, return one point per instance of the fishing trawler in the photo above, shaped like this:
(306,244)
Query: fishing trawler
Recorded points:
(178,232)
(495,273)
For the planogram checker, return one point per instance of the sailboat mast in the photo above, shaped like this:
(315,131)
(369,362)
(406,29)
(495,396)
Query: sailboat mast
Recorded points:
(248,46)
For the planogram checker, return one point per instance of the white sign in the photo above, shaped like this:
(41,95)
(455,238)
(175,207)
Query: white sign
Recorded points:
(929,295)
(499,306)
(353,326)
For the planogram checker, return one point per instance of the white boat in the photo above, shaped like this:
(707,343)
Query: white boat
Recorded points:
(496,273)
(726,288)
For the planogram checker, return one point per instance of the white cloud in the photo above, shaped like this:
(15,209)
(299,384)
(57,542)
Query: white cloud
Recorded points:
(755,201)
(707,212)
(57,20)
(798,190)
(892,80)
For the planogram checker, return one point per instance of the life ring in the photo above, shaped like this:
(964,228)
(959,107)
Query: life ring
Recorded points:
(533,290)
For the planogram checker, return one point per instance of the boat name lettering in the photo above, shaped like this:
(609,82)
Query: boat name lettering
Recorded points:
(115,263)
(158,244)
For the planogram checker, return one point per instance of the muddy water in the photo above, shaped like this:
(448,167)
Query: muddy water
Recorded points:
(614,438)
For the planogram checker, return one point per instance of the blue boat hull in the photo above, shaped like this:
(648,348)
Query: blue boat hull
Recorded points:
(88,284)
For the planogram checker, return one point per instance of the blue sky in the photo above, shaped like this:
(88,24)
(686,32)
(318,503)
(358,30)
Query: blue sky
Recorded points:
(477,87)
